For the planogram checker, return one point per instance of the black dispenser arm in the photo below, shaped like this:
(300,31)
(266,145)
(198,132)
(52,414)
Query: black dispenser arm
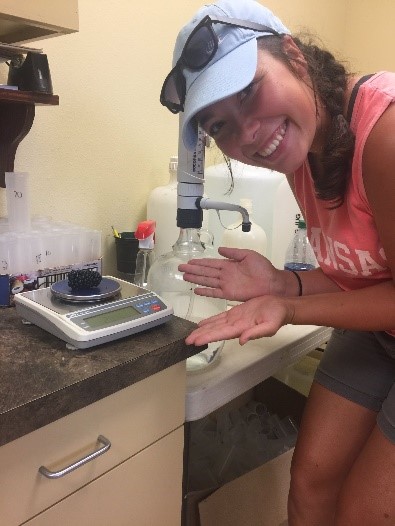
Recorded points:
(208,204)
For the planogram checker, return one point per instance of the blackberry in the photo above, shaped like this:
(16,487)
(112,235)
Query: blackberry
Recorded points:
(83,279)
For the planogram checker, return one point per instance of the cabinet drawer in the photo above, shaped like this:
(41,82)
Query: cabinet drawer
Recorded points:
(144,490)
(131,419)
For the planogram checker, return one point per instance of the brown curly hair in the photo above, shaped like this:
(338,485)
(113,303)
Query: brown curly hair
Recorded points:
(329,81)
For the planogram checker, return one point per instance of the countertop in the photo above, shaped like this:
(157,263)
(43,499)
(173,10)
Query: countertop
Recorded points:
(41,380)
(241,368)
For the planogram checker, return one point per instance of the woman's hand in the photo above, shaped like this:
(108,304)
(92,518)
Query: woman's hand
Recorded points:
(242,275)
(253,319)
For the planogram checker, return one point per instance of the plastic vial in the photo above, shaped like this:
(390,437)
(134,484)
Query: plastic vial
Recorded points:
(299,254)
(18,201)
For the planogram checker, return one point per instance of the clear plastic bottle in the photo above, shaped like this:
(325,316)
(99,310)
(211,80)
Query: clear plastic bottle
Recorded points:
(255,239)
(299,254)
(165,279)
(162,207)
(145,234)
(286,214)
(258,184)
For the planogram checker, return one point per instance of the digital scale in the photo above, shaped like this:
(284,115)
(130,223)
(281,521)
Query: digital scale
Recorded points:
(88,317)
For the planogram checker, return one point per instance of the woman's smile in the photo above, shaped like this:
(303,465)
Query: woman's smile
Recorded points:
(274,142)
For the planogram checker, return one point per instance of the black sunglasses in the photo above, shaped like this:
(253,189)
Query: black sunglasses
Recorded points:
(199,49)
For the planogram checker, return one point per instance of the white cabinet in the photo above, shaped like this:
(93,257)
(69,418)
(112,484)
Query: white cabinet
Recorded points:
(28,20)
(143,491)
(139,476)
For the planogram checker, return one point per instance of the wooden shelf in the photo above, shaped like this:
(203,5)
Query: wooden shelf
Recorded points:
(28,97)
(17,110)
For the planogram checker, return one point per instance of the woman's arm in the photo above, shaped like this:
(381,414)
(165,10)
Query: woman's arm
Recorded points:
(368,309)
(244,274)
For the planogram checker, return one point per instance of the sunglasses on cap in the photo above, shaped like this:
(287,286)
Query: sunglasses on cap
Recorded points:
(199,49)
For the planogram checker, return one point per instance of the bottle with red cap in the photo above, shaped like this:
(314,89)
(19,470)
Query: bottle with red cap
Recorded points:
(145,233)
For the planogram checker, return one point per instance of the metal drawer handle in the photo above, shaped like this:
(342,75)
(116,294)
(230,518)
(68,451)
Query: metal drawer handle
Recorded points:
(62,472)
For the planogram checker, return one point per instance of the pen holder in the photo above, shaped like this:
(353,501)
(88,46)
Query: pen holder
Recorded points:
(126,247)
(30,73)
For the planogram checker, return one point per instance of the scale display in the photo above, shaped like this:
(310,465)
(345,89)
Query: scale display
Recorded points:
(85,322)
(114,316)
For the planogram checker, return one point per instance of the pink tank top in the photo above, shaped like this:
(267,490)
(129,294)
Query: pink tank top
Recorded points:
(345,240)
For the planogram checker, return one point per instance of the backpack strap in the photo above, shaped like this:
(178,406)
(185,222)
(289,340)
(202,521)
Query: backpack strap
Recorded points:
(353,95)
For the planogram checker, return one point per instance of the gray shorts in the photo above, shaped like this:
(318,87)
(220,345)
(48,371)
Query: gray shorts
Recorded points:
(360,366)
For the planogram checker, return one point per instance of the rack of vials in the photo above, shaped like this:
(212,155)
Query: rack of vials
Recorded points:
(31,244)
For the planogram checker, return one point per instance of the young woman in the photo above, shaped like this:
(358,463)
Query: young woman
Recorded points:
(270,100)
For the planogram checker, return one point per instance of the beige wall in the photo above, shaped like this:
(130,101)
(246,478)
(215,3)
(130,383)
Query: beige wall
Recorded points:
(323,18)
(369,39)
(94,159)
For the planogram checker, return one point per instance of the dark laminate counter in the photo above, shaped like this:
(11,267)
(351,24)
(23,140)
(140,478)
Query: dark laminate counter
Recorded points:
(41,380)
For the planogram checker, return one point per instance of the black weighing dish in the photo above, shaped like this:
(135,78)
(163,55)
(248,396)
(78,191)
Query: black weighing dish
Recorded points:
(107,288)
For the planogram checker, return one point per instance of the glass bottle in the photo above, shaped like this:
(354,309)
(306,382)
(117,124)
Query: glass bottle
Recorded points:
(166,280)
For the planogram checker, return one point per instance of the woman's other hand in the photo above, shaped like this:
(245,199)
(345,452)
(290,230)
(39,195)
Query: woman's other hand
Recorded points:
(253,319)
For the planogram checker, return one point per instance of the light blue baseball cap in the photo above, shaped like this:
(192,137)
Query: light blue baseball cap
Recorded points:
(233,66)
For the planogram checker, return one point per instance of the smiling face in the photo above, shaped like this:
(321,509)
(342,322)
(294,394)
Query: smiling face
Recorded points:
(271,123)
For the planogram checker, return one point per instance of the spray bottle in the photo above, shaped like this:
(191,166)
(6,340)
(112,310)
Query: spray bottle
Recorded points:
(145,234)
